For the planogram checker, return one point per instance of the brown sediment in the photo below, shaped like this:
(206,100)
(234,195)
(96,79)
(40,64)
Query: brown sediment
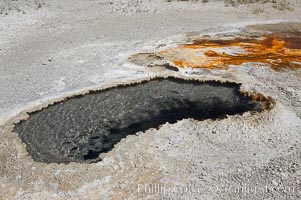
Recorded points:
(266,102)
(279,51)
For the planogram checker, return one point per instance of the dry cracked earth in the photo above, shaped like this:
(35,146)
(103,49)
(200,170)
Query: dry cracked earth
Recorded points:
(142,102)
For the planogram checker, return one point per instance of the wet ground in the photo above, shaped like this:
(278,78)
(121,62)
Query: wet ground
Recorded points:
(280,51)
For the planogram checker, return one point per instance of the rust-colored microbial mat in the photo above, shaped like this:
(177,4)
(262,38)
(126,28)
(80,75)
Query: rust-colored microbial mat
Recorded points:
(279,51)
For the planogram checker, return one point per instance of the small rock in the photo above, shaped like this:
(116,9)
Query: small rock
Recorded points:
(275,182)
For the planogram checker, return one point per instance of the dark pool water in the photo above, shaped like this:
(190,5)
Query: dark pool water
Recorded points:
(82,127)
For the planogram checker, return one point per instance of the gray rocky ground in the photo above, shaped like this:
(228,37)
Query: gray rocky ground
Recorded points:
(57,49)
